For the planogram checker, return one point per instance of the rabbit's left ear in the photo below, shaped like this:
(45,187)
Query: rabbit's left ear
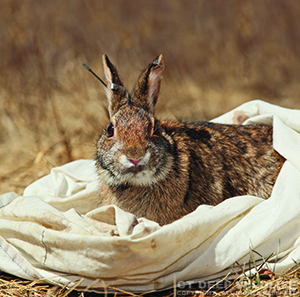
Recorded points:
(115,91)
(147,88)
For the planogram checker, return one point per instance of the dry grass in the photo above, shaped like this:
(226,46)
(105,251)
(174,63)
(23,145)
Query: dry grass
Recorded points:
(218,54)
(255,286)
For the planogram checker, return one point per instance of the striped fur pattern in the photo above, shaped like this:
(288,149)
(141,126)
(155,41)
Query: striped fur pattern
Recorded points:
(163,170)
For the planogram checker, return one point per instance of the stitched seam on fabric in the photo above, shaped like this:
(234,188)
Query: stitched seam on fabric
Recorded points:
(4,205)
(13,260)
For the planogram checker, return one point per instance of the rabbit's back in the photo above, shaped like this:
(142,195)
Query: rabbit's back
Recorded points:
(227,160)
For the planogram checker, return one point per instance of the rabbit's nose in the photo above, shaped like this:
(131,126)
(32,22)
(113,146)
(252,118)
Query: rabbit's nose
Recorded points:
(135,162)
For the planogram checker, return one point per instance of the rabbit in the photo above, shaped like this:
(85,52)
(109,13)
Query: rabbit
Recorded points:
(162,170)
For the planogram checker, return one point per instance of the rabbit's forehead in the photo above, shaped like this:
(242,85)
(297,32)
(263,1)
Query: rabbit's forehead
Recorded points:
(132,115)
(133,119)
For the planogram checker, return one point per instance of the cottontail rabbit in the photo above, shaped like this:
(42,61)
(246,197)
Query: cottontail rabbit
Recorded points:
(162,170)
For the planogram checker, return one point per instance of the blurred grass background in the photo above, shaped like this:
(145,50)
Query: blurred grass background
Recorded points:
(218,55)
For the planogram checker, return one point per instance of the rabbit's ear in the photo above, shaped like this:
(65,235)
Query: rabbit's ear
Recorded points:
(115,90)
(147,88)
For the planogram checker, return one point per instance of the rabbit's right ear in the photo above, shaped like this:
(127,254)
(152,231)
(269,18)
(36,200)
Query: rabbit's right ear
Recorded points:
(115,91)
(147,88)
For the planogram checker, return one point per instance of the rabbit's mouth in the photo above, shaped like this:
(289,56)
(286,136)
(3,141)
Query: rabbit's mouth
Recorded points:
(135,165)
(135,169)
(139,173)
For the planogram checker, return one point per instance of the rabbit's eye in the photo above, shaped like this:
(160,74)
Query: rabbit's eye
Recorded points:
(110,130)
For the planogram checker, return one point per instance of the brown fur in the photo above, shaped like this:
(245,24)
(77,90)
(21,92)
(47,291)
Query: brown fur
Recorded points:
(181,165)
